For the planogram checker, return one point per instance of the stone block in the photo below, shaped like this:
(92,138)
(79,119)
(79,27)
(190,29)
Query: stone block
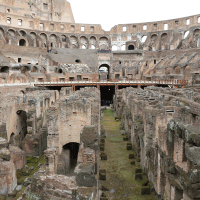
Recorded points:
(138,176)
(145,190)
(131,156)
(128,147)
(138,170)
(133,163)
(103,156)
(102,140)
(102,176)
(85,176)
(102,148)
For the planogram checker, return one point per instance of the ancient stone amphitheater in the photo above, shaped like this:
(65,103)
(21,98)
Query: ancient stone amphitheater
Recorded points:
(56,74)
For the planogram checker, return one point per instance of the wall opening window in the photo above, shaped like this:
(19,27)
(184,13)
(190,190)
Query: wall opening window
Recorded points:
(187,21)
(20,22)
(155,26)
(123,47)
(198,19)
(186,34)
(154,61)
(176,22)
(78,77)
(117,76)
(45,6)
(77,61)
(52,27)
(131,47)
(144,38)
(71,78)
(165,26)
(8,10)
(72,27)
(114,48)
(41,26)
(124,28)
(8,20)
(22,42)
(82,28)
(92,28)
(19,60)
(62,27)
(144,27)
(134,27)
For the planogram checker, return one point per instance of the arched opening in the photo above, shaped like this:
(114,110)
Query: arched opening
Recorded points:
(131,47)
(12,138)
(114,48)
(11,32)
(44,39)
(186,34)
(104,72)
(103,43)
(60,71)
(177,70)
(22,42)
(5,69)
(23,33)
(123,47)
(77,61)
(92,47)
(21,127)
(69,155)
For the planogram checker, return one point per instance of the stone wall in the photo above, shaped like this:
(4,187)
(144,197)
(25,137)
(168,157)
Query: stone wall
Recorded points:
(162,125)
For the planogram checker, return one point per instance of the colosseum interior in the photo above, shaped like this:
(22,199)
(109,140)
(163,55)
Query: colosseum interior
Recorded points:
(57,79)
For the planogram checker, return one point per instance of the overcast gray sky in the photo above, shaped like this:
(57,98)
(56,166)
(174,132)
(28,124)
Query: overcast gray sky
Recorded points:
(112,12)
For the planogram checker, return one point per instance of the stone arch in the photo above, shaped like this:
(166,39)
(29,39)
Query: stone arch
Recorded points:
(103,42)
(123,47)
(22,42)
(104,71)
(177,70)
(5,69)
(12,139)
(34,69)
(131,47)
(25,69)
(92,41)
(65,41)
(74,41)
(70,153)
(33,35)
(144,38)
(163,37)
(196,32)
(187,70)
(23,33)
(84,42)
(53,40)
(186,34)
(2,32)
(114,47)
(44,39)
(11,32)
(153,37)
(167,71)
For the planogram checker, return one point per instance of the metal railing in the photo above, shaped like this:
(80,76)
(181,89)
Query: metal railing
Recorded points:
(97,81)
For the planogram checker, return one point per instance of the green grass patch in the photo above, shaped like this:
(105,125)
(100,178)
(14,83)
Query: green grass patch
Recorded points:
(119,172)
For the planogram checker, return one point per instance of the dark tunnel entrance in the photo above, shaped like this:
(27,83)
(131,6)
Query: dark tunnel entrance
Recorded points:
(107,93)
(70,155)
